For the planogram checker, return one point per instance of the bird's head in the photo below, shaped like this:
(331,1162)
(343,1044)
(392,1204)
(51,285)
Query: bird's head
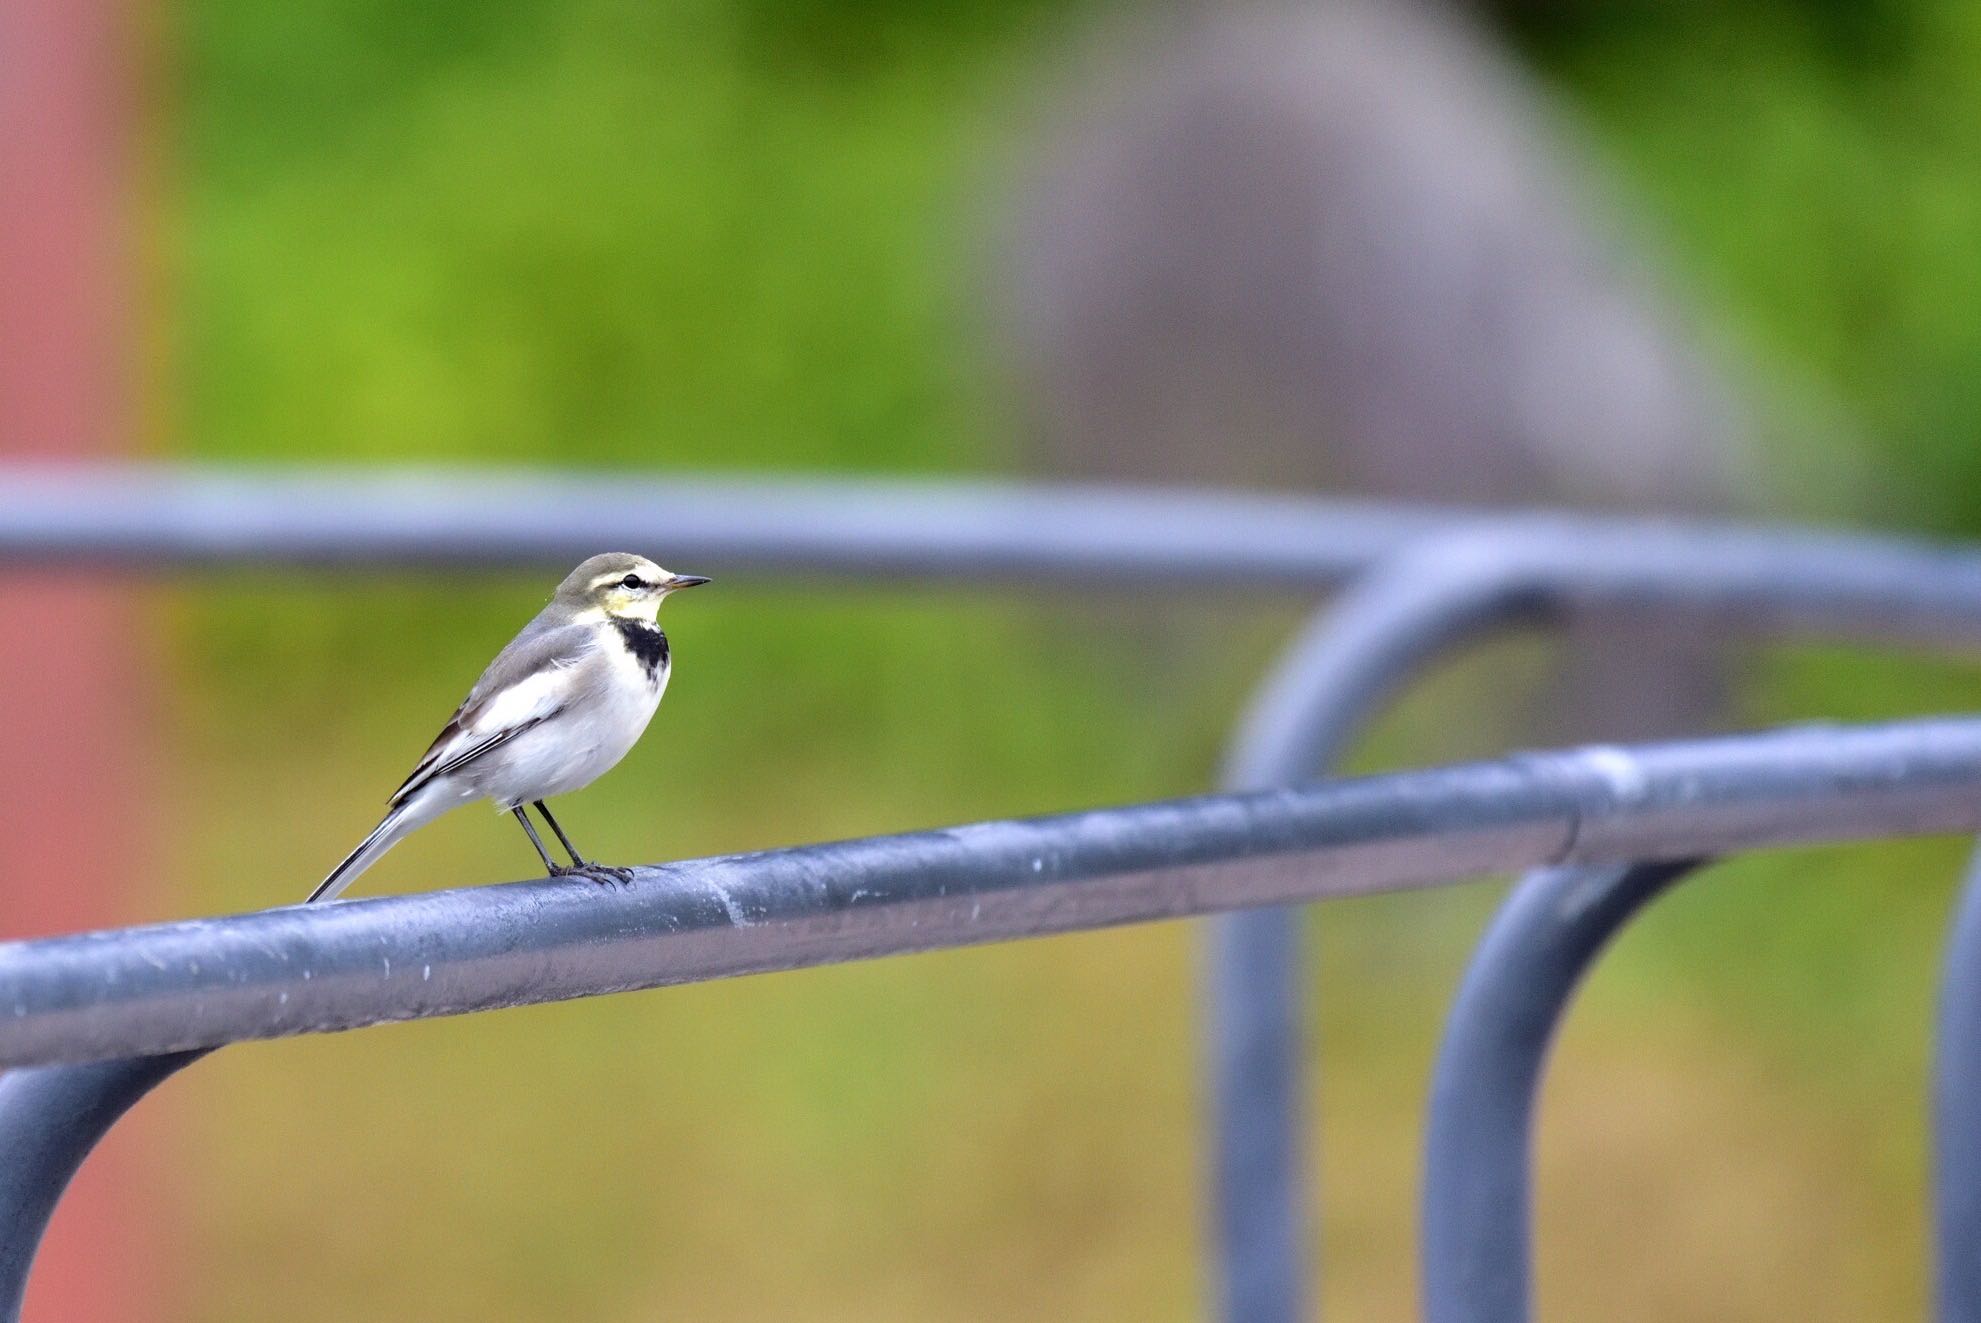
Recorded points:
(622,585)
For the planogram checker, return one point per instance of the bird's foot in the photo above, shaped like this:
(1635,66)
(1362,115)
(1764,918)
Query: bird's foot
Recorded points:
(603,874)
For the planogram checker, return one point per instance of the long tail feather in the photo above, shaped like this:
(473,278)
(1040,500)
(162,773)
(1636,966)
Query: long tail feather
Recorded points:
(387,834)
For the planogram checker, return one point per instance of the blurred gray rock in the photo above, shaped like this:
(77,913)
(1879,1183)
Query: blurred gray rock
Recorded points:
(1346,247)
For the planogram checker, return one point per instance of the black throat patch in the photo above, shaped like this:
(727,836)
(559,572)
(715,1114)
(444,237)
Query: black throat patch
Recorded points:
(647,644)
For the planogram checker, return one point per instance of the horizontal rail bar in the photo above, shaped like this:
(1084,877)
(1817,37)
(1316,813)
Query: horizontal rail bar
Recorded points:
(305,969)
(164,517)
(484,517)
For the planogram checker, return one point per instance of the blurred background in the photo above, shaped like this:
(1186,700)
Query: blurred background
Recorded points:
(1601,254)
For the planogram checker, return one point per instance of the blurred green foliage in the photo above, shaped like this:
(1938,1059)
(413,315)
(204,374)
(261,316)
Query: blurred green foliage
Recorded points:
(698,235)
(1811,167)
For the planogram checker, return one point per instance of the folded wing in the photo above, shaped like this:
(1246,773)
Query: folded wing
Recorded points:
(522,688)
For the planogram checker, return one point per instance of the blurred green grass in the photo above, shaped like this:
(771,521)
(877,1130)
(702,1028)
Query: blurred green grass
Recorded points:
(695,235)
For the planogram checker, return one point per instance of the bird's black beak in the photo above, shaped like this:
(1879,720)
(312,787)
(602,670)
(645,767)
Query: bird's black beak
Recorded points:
(683,581)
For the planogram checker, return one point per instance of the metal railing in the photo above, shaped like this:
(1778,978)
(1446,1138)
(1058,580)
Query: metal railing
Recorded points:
(1608,827)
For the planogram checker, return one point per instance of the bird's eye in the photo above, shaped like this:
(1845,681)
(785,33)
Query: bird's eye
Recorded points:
(632,581)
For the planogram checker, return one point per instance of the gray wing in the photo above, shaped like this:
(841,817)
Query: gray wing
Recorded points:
(519,691)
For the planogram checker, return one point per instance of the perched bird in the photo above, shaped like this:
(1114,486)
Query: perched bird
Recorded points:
(554,711)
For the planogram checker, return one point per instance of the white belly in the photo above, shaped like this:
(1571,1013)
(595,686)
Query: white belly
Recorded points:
(572,750)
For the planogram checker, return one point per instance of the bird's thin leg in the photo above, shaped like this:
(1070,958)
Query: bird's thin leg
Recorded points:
(569,848)
(578,862)
(556,869)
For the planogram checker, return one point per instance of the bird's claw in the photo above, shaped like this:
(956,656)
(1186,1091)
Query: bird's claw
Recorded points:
(603,874)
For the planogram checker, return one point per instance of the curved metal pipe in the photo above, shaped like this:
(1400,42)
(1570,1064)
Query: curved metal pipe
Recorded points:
(50,1119)
(1957,1115)
(1400,617)
(1477,1198)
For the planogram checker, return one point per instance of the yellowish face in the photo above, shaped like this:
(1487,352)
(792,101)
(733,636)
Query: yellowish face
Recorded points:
(631,594)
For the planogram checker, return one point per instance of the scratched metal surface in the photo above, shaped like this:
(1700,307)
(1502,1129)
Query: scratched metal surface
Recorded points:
(310,969)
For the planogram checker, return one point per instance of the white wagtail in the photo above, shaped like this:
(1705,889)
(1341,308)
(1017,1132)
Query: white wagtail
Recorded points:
(553,712)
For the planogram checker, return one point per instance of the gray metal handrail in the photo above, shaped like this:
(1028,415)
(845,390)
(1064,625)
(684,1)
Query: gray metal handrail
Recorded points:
(172,988)
(1767,579)
(312,969)
(1478,574)
(179,987)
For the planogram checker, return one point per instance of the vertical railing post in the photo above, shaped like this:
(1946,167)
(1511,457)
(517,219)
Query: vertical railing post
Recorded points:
(1477,1197)
(50,1119)
(1957,1115)
(1407,612)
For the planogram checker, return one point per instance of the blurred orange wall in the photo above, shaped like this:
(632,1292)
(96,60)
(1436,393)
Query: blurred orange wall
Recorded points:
(72,655)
